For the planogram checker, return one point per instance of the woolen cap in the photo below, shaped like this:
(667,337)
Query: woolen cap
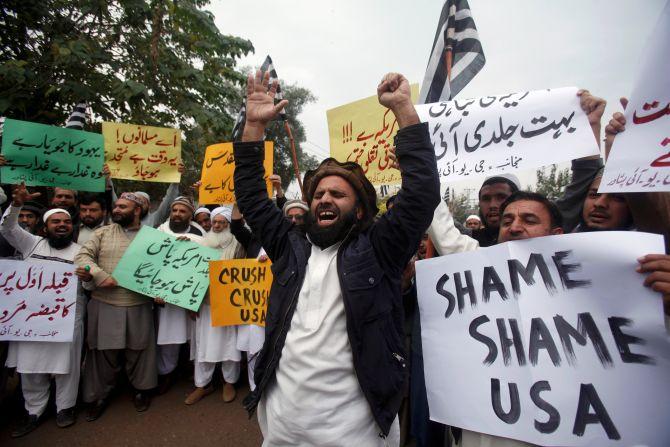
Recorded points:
(352,173)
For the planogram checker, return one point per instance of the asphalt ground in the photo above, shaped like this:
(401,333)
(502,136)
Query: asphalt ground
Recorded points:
(167,422)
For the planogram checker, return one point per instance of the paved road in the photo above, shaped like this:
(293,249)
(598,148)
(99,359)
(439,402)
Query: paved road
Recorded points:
(168,422)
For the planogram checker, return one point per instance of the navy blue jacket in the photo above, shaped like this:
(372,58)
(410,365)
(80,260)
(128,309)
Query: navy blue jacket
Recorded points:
(369,266)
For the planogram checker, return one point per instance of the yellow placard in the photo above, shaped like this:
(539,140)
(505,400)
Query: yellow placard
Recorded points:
(239,291)
(146,153)
(363,131)
(217,186)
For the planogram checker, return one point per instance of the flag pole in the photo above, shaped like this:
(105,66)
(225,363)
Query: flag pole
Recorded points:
(294,156)
(430,248)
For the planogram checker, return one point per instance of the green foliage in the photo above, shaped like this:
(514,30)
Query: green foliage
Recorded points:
(553,183)
(158,62)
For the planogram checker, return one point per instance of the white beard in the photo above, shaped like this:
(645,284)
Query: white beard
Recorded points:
(220,240)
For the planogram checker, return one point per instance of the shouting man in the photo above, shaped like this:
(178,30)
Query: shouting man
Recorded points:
(333,365)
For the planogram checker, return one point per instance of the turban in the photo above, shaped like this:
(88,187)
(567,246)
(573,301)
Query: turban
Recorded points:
(225,211)
(53,211)
(473,216)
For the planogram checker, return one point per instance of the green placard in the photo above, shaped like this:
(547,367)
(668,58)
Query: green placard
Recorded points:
(158,265)
(42,155)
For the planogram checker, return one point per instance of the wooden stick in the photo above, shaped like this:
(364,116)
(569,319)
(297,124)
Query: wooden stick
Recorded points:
(449,61)
(294,156)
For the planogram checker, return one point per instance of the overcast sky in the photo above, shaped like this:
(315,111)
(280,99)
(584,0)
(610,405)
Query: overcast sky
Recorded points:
(340,50)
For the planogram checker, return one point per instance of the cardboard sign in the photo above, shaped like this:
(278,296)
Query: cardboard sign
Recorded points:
(150,154)
(492,135)
(37,301)
(159,266)
(42,155)
(552,341)
(239,291)
(217,184)
(363,131)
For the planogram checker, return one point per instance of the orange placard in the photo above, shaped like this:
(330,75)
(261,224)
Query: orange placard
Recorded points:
(217,186)
(239,291)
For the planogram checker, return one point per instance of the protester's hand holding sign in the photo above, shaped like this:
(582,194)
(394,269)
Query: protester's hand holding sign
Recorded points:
(276,184)
(616,125)
(658,267)
(594,108)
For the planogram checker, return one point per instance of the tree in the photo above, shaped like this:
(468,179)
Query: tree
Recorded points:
(158,62)
(459,205)
(298,97)
(552,184)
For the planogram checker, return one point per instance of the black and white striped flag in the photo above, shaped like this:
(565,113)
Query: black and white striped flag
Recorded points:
(457,43)
(241,116)
(77,118)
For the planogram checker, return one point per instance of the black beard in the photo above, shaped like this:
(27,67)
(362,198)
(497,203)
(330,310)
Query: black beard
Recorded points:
(179,227)
(324,237)
(93,224)
(124,220)
(59,242)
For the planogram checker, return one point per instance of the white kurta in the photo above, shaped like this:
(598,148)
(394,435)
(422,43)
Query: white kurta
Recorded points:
(213,344)
(316,399)
(250,338)
(32,357)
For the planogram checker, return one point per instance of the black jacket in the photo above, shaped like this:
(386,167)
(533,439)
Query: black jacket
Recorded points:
(369,266)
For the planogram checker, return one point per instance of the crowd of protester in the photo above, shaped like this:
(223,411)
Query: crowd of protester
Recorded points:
(344,291)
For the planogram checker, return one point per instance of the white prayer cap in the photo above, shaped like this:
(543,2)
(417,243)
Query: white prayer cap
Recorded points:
(225,211)
(507,177)
(144,195)
(473,216)
(51,212)
(202,210)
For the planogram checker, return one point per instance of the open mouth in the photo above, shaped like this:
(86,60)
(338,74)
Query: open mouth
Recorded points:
(326,217)
(61,231)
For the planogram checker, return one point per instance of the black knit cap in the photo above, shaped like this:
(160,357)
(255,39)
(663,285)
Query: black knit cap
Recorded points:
(352,173)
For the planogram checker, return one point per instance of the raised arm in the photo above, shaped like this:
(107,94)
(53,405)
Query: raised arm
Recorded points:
(584,169)
(263,216)
(163,211)
(237,228)
(444,234)
(10,229)
(396,235)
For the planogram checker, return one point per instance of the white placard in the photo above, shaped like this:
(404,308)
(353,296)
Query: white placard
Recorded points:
(640,157)
(507,133)
(583,346)
(37,301)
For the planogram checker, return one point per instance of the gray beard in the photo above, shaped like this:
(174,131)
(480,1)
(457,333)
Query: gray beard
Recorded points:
(219,240)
